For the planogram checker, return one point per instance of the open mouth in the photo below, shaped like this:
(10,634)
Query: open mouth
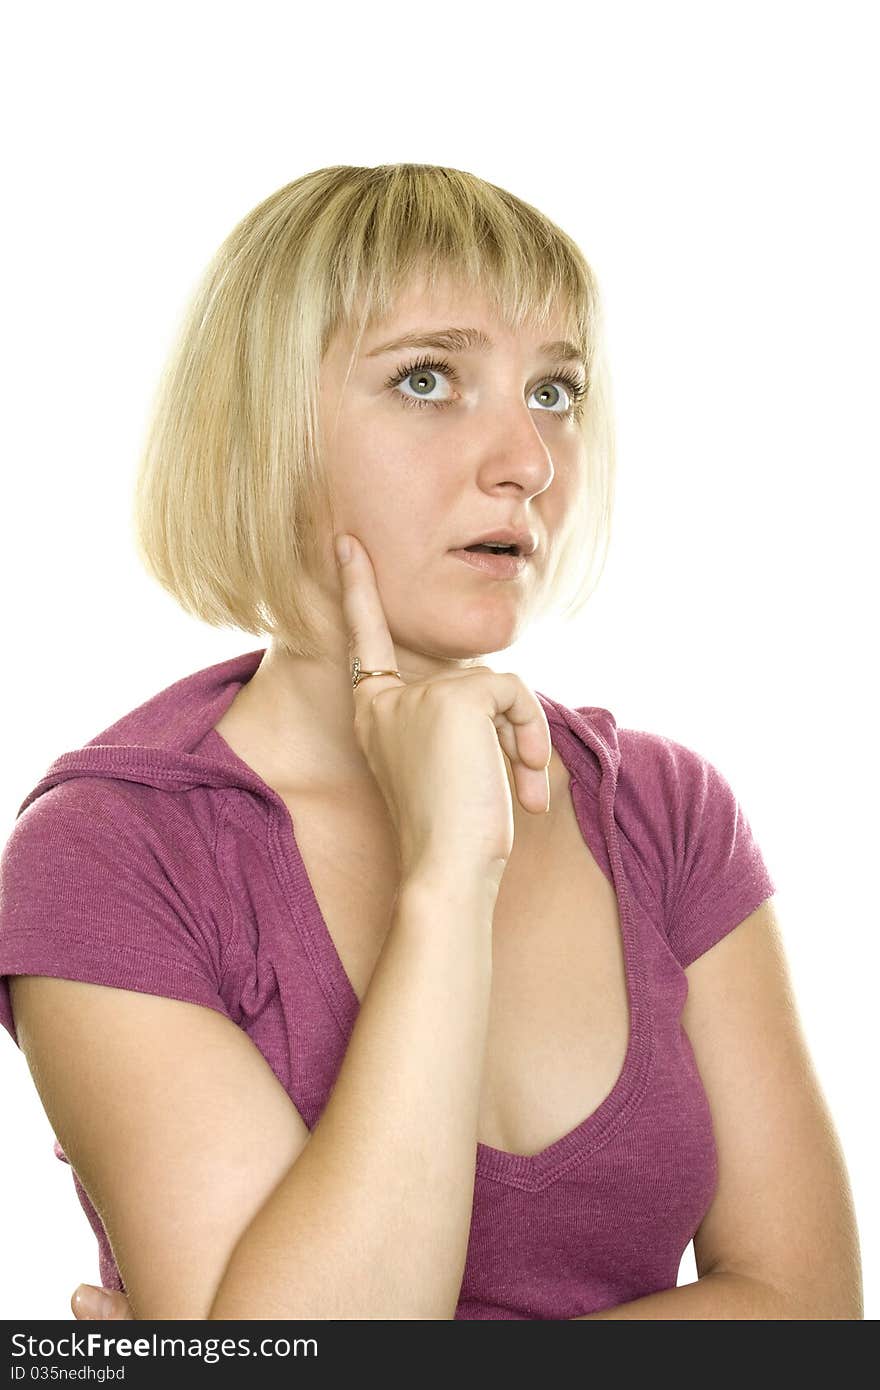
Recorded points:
(503,562)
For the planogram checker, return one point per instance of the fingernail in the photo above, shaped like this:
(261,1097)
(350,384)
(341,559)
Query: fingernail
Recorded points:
(94,1302)
(343,550)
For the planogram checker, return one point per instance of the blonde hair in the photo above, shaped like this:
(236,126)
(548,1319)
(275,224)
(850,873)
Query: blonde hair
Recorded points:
(231,501)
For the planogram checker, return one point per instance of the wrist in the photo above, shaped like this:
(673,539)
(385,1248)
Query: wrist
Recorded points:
(465,883)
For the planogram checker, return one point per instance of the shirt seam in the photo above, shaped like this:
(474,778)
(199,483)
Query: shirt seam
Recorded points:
(227,944)
(117,948)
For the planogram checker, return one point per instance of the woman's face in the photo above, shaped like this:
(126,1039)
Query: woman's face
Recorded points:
(424,459)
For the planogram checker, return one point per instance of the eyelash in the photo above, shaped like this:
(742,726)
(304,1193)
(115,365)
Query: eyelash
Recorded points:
(573,385)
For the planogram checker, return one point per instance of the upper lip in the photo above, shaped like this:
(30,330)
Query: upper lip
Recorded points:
(525,541)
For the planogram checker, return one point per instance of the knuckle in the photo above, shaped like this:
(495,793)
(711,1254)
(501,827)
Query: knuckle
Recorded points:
(384,697)
(434,691)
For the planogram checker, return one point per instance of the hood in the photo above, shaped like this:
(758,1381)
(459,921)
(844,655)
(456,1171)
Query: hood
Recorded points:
(153,743)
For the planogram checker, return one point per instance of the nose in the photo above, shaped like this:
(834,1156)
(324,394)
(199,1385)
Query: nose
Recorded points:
(513,452)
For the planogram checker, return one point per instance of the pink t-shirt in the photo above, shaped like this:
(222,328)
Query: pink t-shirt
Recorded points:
(155,859)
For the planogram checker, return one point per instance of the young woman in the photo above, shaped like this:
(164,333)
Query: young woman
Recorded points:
(357,979)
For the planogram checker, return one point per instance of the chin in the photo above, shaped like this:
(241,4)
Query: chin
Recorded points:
(484,639)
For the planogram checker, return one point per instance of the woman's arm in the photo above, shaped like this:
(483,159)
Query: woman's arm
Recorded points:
(372,1221)
(190,1149)
(783,1214)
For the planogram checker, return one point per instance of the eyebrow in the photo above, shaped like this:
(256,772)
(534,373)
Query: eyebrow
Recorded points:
(470,339)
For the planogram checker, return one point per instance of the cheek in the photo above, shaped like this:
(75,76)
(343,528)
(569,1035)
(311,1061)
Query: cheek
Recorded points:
(407,500)
(411,500)
(410,561)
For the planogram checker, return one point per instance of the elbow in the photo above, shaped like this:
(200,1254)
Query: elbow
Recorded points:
(828,1303)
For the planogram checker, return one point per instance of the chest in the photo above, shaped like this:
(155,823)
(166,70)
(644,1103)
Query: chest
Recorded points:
(559,1013)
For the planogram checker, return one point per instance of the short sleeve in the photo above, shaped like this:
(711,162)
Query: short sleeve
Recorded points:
(104,881)
(717,874)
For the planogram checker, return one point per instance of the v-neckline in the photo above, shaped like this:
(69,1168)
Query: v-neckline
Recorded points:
(530,1172)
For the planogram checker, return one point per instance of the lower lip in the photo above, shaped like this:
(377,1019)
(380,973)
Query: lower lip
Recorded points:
(497,566)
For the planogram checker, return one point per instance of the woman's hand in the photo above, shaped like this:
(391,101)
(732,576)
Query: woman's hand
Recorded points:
(436,746)
(92,1304)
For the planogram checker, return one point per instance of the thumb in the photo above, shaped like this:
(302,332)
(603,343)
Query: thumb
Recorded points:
(96,1304)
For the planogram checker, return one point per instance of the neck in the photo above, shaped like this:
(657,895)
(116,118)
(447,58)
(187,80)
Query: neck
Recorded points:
(293,723)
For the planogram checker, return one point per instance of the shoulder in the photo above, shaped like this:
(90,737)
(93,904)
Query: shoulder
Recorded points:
(75,815)
(91,845)
(96,885)
(673,788)
(656,765)
(94,809)
(662,789)
(692,837)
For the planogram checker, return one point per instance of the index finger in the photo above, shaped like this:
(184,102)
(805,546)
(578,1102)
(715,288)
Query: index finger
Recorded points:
(364,615)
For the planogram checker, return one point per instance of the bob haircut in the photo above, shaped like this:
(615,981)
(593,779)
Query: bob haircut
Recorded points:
(231,501)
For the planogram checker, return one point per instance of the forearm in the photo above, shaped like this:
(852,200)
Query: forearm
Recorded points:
(372,1219)
(716,1296)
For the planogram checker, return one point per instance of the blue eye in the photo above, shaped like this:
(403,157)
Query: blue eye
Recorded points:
(428,366)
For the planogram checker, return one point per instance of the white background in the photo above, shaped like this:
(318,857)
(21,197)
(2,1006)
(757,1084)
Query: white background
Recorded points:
(717,164)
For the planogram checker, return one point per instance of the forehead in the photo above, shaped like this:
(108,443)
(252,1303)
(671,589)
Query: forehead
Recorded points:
(455,318)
